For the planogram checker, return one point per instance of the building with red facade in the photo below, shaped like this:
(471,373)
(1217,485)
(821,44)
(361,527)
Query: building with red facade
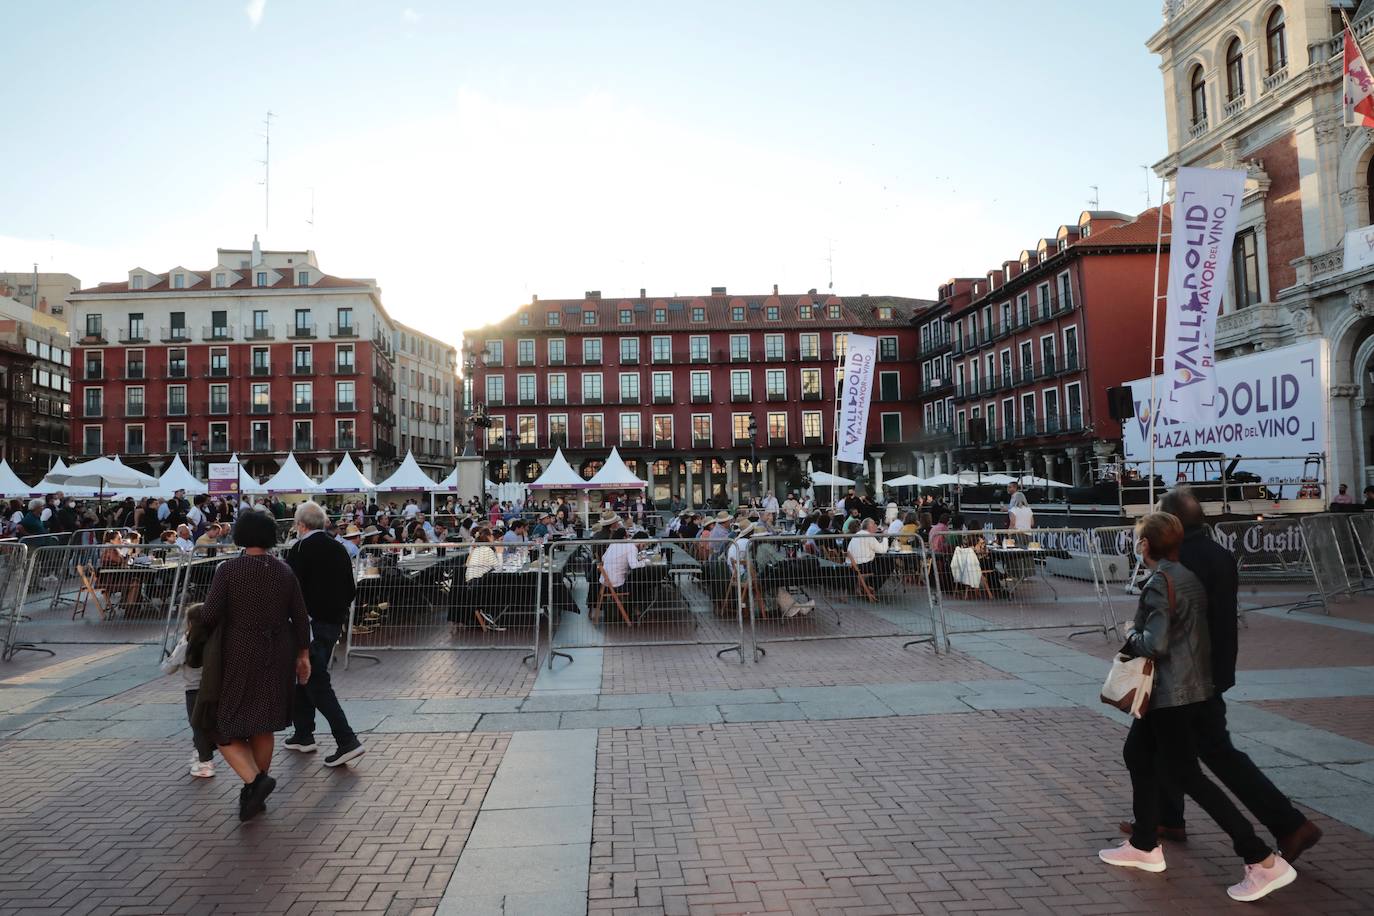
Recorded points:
(1015,366)
(261,354)
(709,398)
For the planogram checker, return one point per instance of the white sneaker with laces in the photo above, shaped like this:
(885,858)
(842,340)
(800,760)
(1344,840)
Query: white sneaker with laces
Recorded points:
(1261,882)
(203,770)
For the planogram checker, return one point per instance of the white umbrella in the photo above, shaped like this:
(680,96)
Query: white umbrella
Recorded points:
(103,472)
(906,480)
(1030,480)
(942,480)
(996,480)
(826,479)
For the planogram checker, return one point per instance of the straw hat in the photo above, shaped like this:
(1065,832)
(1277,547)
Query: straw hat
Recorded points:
(608,519)
(723,516)
(370,531)
(746,529)
(352,532)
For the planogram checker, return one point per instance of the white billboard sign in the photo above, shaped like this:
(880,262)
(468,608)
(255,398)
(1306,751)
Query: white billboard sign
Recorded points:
(860,358)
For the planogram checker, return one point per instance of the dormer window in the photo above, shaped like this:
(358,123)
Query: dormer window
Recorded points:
(136,281)
(698,313)
(221,280)
(588,316)
(884,313)
(660,316)
(523,319)
(833,310)
(178,281)
(1084,231)
(553,318)
(626,316)
(772,313)
(736,313)
(804,312)
(262,278)
(303,278)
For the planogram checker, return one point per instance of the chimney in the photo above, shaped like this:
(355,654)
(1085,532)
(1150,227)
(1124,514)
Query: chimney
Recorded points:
(593,294)
(43,304)
(811,291)
(257,251)
(775,289)
(718,291)
(534,298)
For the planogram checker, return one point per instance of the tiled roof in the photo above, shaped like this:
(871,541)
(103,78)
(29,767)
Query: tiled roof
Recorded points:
(206,283)
(1143,230)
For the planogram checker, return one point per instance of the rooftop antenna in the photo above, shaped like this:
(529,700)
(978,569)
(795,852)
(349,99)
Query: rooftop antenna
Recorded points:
(1096,199)
(830,261)
(267,171)
(311,221)
(1147,186)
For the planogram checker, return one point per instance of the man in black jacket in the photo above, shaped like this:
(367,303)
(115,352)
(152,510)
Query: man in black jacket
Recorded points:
(325,572)
(1216,568)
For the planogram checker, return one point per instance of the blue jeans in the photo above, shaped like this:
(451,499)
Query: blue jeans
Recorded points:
(318,692)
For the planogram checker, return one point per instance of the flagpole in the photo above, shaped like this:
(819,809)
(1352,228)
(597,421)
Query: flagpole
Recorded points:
(1154,336)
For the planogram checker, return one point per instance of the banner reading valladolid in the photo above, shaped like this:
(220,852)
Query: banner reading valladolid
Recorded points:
(1270,404)
(1206,207)
(858,391)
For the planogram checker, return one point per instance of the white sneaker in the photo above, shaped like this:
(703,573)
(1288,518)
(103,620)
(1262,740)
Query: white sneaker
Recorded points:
(1261,882)
(203,770)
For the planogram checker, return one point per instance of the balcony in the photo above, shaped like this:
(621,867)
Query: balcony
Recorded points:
(133,411)
(342,330)
(524,360)
(1046,367)
(1026,374)
(217,408)
(217,445)
(300,443)
(592,360)
(1233,107)
(740,397)
(176,335)
(591,400)
(216,333)
(261,444)
(558,360)
(777,441)
(266,332)
(629,398)
(94,337)
(1069,363)
(811,440)
(1276,79)
(135,448)
(261,370)
(175,372)
(701,441)
(701,398)
(93,373)
(663,399)
(739,356)
(176,408)
(933,385)
(133,336)
(131,374)
(699,357)
(934,344)
(261,407)
(216,372)
(303,406)
(809,356)
(773,356)
(593,441)
(301,332)
(498,400)
(525,400)
(776,396)
(662,359)
(957,343)
(90,449)
(1197,128)
(558,440)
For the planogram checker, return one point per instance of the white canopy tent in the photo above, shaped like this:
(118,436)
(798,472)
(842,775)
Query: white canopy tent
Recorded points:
(827,479)
(290,479)
(614,475)
(10,484)
(408,477)
(559,475)
(177,477)
(449,484)
(247,482)
(347,478)
(103,472)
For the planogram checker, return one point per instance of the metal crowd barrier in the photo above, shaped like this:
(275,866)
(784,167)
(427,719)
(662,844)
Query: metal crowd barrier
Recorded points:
(14,560)
(995,579)
(1334,555)
(433,596)
(1269,552)
(835,587)
(659,591)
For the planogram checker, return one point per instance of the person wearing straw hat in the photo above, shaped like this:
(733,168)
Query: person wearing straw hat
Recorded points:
(350,538)
(720,534)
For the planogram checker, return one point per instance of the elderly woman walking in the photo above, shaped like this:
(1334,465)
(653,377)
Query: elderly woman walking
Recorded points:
(1171,627)
(254,636)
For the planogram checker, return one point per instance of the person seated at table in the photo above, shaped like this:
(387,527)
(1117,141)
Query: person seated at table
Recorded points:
(924,525)
(482,559)
(893,526)
(620,557)
(813,527)
(738,553)
(910,530)
(691,525)
(939,542)
(516,534)
(720,534)
(182,539)
(541,526)
(868,551)
(211,536)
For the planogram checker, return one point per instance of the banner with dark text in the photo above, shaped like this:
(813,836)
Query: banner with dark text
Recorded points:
(859,360)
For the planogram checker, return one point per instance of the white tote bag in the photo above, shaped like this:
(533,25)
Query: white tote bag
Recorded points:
(1132,680)
(964,567)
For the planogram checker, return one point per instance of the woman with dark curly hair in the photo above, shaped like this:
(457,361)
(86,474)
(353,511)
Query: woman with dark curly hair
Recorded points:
(255,604)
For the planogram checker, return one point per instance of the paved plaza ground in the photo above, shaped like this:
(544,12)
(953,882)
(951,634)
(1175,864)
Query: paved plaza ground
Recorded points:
(840,776)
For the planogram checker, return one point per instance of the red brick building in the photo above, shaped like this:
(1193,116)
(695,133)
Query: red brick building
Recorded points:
(674,382)
(1016,364)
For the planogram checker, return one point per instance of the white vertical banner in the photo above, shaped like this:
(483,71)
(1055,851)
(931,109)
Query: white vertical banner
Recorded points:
(1206,207)
(860,358)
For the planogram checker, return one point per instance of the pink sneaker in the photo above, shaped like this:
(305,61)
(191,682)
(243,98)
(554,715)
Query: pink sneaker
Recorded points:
(1127,856)
(1261,882)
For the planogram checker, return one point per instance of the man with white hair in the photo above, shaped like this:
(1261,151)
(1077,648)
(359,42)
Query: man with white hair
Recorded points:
(325,572)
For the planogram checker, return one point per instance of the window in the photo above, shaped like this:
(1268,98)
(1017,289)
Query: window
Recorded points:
(219,362)
(629,429)
(889,386)
(553,318)
(775,384)
(739,347)
(1073,398)
(558,387)
(303,325)
(261,399)
(1065,291)
(841,345)
(663,429)
(523,319)
(262,278)
(833,310)
(810,346)
(90,440)
(663,387)
(524,388)
(133,439)
(629,387)
(302,278)
(219,399)
(811,384)
(302,435)
(772,346)
(892,426)
(772,313)
(261,362)
(1198,93)
(700,349)
(739,384)
(660,316)
(591,386)
(345,434)
(133,401)
(736,313)
(219,324)
(1275,41)
(259,322)
(698,313)
(261,436)
(93,326)
(524,352)
(1245,269)
(591,350)
(301,361)
(343,356)
(592,430)
(176,364)
(558,430)
(136,326)
(1047,354)
(777,428)
(496,389)
(1071,347)
(887,348)
(701,429)
(811,426)
(804,311)
(135,282)
(739,426)
(701,385)
(302,397)
(558,351)
(1051,396)
(663,349)
(1235,71)
(176,400)
(1028,414)
(527,431)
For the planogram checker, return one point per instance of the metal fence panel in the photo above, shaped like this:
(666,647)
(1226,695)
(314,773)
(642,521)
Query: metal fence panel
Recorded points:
(670,592)
(1037,579)
(14,562)
(1269,552)
(1334,557)
(836,587)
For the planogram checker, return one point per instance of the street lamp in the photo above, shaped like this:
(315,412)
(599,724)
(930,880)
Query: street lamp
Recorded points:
(754,455)
(195,440)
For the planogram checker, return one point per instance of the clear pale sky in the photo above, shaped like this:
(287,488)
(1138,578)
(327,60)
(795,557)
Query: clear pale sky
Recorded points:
(468,155)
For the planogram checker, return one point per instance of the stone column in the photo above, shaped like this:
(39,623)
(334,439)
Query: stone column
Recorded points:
(649,479)
(687,496)
(732,480)
(1345,452)
(1075,473)
(673,479)
(510,470)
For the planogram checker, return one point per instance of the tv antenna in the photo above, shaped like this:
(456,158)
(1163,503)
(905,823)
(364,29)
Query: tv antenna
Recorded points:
(1147,186)
(267,171)
(310,221)
(1096,200)
(830,261)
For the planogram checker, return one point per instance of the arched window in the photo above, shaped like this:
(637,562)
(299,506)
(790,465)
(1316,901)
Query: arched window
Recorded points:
(1275,41)
(1235,71)
(1198,92)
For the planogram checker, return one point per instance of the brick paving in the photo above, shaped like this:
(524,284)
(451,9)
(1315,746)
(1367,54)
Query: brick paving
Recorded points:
(979,812)
(119,827)
(819,663)
(1350,717)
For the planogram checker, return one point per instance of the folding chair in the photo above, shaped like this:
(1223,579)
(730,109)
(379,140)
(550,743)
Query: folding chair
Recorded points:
(608,590)
(89,588)
(861,585)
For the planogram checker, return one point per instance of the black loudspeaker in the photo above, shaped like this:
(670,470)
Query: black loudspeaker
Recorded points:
(978,431)
(1121,403)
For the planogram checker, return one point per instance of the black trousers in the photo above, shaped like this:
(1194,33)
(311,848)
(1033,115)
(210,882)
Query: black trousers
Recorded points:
(1164,743)
(318,692)
(1236,771)
(204,743)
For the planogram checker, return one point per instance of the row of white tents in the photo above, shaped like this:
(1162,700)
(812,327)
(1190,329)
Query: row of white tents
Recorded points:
(111,478)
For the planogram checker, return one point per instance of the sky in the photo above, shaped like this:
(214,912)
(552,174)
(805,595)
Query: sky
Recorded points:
(469,155)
